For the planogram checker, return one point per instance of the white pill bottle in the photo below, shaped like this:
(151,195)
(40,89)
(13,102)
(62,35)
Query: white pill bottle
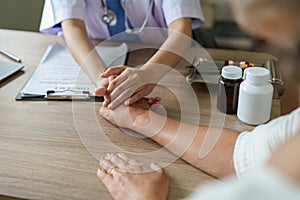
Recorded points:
(255,96)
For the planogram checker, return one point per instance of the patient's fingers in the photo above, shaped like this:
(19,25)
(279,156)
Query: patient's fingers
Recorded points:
(106,164)
(123,163)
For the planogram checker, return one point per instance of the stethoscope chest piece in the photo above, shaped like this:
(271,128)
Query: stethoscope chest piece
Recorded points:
(109,18)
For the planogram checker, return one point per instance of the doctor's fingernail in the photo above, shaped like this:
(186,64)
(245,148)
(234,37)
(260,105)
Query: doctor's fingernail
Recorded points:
(126,103)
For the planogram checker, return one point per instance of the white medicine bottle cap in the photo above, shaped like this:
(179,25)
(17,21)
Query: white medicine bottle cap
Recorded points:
(232,72)
(257,75)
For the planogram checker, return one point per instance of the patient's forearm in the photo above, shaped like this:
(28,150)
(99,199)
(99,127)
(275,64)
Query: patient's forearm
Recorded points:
(182,137)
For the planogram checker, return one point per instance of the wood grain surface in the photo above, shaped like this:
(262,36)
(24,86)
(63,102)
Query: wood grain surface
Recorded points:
(48,149)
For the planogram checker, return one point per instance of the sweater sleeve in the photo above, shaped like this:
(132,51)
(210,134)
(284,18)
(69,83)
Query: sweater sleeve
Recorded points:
(254,148)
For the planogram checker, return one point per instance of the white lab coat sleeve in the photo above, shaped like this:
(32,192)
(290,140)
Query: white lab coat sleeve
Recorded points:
(176,9)
(56,11)
(254,148)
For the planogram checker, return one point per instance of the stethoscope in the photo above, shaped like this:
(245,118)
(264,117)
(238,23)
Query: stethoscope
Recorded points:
(110,18)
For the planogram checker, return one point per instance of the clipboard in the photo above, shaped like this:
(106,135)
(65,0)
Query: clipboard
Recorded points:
(61,96)
(58,77)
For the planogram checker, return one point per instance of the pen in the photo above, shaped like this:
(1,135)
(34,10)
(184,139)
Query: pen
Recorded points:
(10,55)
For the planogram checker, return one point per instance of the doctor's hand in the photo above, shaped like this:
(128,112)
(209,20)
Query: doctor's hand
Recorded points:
(102,85)
(128,85)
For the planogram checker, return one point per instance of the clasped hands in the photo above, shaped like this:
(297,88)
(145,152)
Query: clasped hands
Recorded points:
(128,86)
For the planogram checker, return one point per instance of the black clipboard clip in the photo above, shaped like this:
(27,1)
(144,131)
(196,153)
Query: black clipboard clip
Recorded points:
(60,95)
(68,95)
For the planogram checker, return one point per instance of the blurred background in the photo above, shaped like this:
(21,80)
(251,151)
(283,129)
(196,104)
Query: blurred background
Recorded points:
(21,14)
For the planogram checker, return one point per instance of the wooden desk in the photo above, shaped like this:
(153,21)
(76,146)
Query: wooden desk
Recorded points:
(41,154)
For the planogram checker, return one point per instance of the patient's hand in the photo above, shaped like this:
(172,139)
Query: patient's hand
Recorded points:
(126,178)
(124,116)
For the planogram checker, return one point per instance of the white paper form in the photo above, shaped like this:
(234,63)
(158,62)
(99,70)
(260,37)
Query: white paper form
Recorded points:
(58,71)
